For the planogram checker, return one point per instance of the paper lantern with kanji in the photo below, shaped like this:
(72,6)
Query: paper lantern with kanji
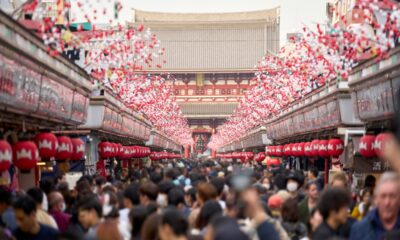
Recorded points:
(64,150)
(105,150)
(279,150)
(47,145)
(287,150)
(273,150)
(25,155)
(323,148)
(307,149)
(300,149)
(121,151)
(366,147)
(114,149)
(335,147)
(268,150)
(78,149)
(381,141)
(294,149)
(315,148)
(5,155)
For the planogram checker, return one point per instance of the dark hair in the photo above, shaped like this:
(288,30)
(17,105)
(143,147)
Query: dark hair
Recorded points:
(370,181)
(47,185)
(137,216)
(5,195)
(176,221)
(149,228)
(313,170)
(206,191)
(91,203)
(312,182)
(100,180)
(26,204)
(150,190)
(165,186)
(132,193)
(36,194)
(176,196)
(192,193)
(333,199)
(171,173)
(227,228)
(152,208)
(219,184)
(210,210)
(290,211)
(155,177)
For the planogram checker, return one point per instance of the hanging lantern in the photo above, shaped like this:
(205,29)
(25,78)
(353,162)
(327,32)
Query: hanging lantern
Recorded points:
(287,150)
(381,141)
(308,149)
(300,149)
(121,151)
(335,147)
(25,155)
(279,151)
(273,150)
(367,146)
(64,151)
(294,149)
(114,149)
(268,150)
(105,149)
(47,145)
(323,148)
(78,149)
(315,148)
(5,155)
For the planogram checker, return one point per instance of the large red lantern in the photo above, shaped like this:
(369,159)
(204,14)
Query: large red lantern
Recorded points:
(300,149)
(273,150)
(268,150)
(287,150)
(294,149)
(105,150)
(121,151)
(323,148)
(25,155)
(5,155)
(381,141)
(78,149)
(367,146)
(279,151)
(308,149)
(335,147)
(47,145)
(315,148)
(64,151)
(153,156)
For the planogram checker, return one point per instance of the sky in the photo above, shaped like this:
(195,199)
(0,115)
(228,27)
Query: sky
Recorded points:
(294,13)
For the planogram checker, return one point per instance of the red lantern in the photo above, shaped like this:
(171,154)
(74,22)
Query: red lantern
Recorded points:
(315,148)
(308,149)
(105,150)
(381,141)
(47,145)
(268,150)
(300,149)
(294,149)
(78,149)
(5,155)
(121,151)
(287,150)
(279,151)
(114,149)
(335,147)
(25,155)
(323,148)
(64,151)
(153,156)
(367,146)
(273,150)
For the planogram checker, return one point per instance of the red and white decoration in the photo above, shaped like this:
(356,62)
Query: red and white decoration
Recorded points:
(78,149)
(5,155)
(335,147)
(47,144)
(65,148)
(366,147)
(25,155)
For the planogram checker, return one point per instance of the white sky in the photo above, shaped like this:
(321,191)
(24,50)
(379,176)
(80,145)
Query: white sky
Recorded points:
(294,13)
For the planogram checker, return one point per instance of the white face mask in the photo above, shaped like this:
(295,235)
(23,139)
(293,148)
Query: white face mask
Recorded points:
(292,186)
(267,185)
(162,200)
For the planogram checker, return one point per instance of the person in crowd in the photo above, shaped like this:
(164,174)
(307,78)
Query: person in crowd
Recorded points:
(386,216)
(210,209)
(29,227)
(333,206)
(310,202)
(164,187)
(57,207)
(190,197)
(312,173)
(274,204)
(293,185)
(173,226)
(90,214)
(370,182)
(314,221)
(131,199)
(41,215)
(137,217)
(7,214)
(363,204)
(205,192)
(108,230)
(182,179)
(148,193)
(225,228)
(176,199)
(150,227)
(219,184)
(340,180)
(290,220)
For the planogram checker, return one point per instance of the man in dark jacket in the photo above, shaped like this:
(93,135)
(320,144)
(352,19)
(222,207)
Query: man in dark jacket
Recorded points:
(386,217)
(333,206)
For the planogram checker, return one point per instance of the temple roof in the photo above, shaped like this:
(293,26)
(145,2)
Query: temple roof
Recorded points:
(265,15)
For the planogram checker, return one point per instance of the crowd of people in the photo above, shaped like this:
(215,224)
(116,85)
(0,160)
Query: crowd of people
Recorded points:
(204,200)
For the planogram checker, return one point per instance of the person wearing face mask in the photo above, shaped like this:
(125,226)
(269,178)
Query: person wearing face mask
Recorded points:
(293,184)
(57,207)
